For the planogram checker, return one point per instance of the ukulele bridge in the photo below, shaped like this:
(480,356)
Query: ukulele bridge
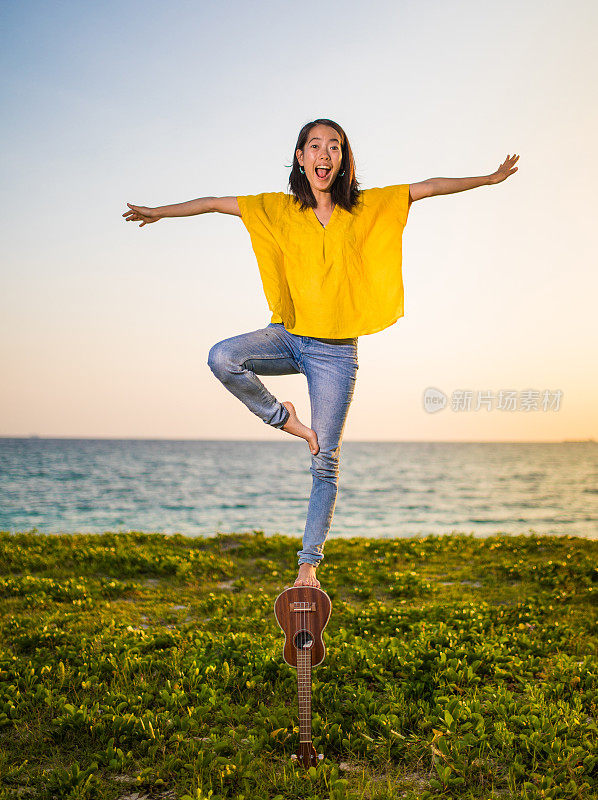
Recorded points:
(304,605)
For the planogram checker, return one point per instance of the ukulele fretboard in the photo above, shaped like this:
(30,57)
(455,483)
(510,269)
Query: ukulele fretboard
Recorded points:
(304,693)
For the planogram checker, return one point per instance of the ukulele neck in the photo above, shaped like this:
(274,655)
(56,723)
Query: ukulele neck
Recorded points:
(304,693)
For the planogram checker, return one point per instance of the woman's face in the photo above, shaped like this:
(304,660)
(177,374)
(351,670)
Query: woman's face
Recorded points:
(322,149)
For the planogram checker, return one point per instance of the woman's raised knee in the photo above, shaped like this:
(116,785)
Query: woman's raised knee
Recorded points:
(219,359)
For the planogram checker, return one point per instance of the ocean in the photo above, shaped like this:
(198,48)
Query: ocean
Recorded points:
(387,489)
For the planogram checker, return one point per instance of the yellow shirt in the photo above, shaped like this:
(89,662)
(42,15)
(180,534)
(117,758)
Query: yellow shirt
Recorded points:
(336,282)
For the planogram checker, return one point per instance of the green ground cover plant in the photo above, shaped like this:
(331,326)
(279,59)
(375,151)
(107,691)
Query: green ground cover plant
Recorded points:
(139,665)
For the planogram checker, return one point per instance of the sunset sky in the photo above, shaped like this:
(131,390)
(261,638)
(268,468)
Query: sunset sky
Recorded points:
(106,327)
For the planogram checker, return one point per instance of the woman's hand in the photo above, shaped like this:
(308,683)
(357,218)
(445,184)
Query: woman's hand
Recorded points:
(141,213)
(505,169)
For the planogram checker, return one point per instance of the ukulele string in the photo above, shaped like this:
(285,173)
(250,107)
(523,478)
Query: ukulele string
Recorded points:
(305,649)
(306,676)
(302,672)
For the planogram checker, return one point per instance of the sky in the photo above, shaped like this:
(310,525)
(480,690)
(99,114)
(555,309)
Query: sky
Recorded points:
(105,327)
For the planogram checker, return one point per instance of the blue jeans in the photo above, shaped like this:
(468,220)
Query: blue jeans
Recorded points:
(330,366)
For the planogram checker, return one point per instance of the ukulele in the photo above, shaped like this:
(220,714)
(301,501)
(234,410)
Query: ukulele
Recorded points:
(303,612)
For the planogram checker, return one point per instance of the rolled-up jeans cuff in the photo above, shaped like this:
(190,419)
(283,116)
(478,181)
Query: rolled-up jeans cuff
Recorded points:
(309,558)
(285,419)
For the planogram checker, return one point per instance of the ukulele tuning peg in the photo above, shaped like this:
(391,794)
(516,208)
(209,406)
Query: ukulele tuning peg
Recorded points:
(320,756)
(294,757)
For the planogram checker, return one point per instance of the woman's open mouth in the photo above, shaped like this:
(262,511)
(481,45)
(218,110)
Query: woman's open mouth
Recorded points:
(323,172)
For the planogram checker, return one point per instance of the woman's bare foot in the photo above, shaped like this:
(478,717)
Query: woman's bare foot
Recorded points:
(307,576)
(299,429)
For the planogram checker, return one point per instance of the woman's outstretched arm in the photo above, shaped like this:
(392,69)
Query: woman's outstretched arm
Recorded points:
(435,186)
(451,185)
(202,205)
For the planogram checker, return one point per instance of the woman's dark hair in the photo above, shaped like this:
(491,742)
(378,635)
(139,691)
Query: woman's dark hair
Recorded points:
(345,190)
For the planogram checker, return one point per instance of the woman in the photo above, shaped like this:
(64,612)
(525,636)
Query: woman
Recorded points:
(329,256)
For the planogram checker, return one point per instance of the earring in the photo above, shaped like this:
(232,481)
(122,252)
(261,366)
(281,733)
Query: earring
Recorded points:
(342,173)
(301,170)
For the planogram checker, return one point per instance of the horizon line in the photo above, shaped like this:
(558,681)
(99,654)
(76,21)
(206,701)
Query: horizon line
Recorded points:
(269,441)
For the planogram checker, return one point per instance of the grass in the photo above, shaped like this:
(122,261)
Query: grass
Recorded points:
(138,665)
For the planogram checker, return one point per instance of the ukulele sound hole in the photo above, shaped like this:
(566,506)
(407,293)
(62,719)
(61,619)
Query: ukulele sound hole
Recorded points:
(303,640)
